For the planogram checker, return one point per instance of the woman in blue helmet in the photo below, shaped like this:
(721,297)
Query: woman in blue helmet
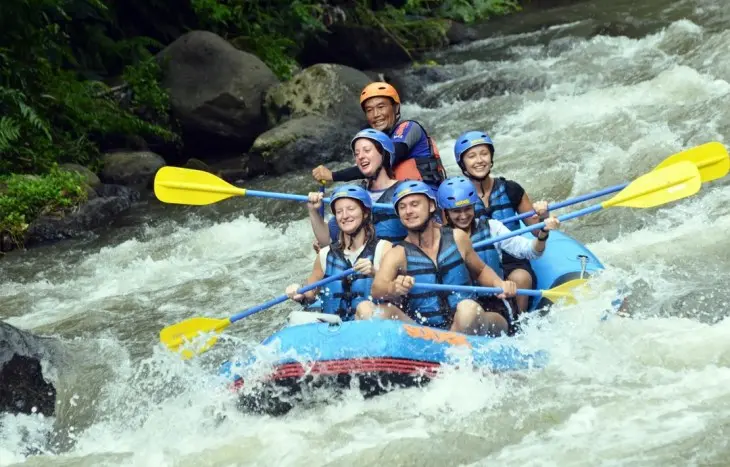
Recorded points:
(374,154)
(499,199)
(433,254)
(357,247)
(457,197)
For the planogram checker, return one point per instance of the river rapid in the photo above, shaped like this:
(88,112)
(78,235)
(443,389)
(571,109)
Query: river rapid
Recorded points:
(578,114)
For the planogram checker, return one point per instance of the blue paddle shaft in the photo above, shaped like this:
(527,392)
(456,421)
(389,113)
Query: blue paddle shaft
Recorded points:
(568,202)
(524,215)
(476,289)
(283,298)
(321,208)
(291,197)
(530,228)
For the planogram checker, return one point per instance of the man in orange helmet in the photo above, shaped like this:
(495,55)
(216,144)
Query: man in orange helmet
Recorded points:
(416,154)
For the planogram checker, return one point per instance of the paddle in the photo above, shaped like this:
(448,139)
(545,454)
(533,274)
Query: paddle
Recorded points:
(655,188)
(561,291)
(177,185)
(321,190)
(175,335)
(710,158)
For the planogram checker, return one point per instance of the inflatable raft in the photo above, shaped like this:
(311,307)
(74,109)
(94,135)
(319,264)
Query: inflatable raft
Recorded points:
(383,354)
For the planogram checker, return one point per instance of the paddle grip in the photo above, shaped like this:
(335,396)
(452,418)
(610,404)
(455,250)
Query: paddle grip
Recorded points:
(321,208)
(568,202)
(471,288)
(283,298)
(540,225)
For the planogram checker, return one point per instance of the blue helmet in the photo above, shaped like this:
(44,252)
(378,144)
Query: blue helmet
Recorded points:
(409,187)
(456,192)
(351,191)
(378,137)
(468,140)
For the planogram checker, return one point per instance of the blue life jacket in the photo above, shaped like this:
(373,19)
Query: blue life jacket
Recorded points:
(387,224)
(487,253)
(500,206)
(435,308)
(343,296)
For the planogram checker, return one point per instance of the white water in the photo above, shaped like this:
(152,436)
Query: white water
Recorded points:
(651,390)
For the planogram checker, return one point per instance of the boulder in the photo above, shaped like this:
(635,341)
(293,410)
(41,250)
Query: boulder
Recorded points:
(301,142)
(216,89)
(136,168)
(100,211)
(458,33)
(324,89)
(24,361)
(358,46)
(90,178)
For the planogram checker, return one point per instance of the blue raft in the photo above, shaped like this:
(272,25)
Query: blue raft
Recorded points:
(382,354)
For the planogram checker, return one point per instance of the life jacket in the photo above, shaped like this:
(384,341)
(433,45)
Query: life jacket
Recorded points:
(387,223)
(500,206)
(488,253)
(436,308)
(343,296)
(424,161)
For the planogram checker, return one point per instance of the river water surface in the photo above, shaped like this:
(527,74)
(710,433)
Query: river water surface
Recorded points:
(578,114)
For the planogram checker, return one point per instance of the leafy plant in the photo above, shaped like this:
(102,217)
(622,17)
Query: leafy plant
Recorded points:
(25,197)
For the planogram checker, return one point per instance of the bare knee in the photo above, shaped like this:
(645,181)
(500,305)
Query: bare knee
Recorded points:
(466,315)
(365,310)
(470,318)
(522,278)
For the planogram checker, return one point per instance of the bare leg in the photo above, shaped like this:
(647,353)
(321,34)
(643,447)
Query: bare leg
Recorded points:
(523,279)
(470,318)
(369,310)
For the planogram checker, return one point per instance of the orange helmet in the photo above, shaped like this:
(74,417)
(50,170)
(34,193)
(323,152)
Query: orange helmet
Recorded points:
(379,89)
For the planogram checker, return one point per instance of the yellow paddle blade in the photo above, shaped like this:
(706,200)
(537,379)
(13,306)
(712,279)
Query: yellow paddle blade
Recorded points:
(565,291)
(187,186)
(177,334)
(710,158)
(658,187)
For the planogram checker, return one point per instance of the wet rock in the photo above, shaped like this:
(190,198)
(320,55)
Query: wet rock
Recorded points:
(135,168)
(90,178)
(237,169)
(360,47)
(24,388)
(411,83)
(301,142)
(480,88)
(197,164)
(459,33)
(215,89)
(325,89)
(111,201)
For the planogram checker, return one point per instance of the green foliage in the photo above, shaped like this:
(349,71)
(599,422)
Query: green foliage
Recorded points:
(422,24)
(25,197)
(466,11)
(270,29)
(50,113)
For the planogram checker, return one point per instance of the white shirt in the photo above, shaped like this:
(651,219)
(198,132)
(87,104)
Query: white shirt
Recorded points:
(519,246)
(352,255)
